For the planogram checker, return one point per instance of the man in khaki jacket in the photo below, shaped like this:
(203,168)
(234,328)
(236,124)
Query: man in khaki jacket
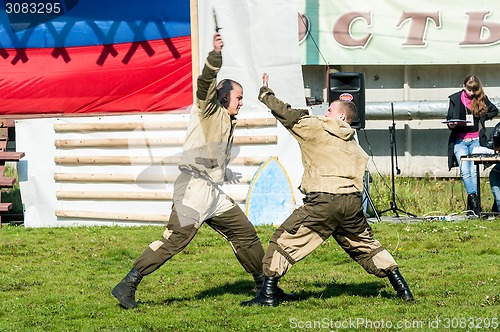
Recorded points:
(332,183)
(198,197)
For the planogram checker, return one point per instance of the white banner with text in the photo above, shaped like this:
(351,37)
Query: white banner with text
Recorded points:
(380,32)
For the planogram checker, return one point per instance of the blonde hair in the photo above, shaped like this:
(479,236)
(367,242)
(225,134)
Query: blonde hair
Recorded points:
(349,109)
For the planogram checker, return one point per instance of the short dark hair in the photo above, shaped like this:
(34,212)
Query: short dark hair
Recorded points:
(224,87)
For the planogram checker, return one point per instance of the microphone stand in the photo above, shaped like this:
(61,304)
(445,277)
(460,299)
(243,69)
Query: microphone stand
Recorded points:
(394,207)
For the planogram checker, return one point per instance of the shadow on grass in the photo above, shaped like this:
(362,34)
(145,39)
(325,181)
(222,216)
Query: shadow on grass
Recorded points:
(333,289)
(324,291)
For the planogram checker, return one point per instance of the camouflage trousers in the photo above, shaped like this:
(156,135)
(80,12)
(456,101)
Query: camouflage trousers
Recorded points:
(324,215)
(221,214)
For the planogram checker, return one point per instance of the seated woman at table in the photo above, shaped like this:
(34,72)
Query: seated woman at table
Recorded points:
(472,105)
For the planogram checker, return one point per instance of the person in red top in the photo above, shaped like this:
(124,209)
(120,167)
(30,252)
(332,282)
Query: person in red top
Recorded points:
(473,107)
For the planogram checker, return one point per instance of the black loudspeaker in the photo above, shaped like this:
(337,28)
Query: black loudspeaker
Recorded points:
(349,86)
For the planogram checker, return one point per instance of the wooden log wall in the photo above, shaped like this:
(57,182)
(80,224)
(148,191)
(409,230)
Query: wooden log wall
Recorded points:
(103,165)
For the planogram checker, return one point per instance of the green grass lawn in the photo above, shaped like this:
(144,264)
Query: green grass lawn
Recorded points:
(59,279)
(426,196)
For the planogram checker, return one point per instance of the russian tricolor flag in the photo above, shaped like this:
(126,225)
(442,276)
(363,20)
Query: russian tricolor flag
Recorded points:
(94,56)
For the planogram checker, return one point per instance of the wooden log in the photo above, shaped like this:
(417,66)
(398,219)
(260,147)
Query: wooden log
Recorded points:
(131,126)
(257,122)
(131,195)
(241,140)
(117,142)
(112,215)
(126,178)
(114,195)
(117,160)
(122,126)
(122,178)
(140,142)
(158,160)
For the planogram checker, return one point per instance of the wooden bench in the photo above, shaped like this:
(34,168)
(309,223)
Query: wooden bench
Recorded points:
(5,207)
(7,182)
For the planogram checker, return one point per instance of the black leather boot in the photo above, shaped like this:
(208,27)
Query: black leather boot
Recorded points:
(259,279)
(400,286)
(473,203)
(124,291)
(267,294)
(281,296)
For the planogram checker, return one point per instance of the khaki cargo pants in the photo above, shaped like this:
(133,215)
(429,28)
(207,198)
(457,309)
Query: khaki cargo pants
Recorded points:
(324,215)
(217,210)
